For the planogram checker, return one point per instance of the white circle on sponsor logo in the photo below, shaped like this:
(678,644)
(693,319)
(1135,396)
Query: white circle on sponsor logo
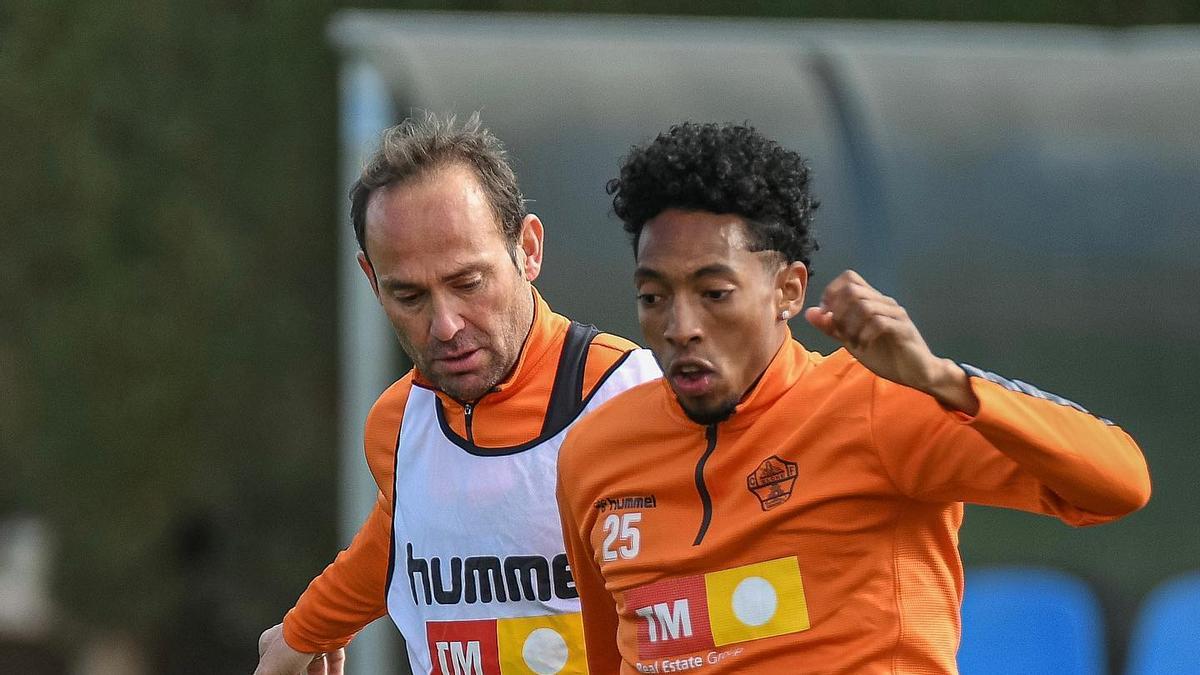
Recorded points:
(545,651)
(754,601)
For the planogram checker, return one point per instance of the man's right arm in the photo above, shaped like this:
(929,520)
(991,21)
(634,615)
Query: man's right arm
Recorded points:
(348,595)
(351,592)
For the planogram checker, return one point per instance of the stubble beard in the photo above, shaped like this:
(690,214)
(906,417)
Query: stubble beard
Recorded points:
(715,415)
(489,377)
(503,350)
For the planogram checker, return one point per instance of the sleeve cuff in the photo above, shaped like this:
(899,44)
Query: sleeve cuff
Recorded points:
(292,635)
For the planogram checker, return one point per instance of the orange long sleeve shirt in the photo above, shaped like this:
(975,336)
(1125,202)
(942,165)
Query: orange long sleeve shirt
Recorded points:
(815,530)
(351,591)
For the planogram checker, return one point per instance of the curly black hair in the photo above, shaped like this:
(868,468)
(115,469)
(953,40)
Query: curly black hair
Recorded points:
(721,168)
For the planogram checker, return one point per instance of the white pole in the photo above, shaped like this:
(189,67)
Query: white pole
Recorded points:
(367,349)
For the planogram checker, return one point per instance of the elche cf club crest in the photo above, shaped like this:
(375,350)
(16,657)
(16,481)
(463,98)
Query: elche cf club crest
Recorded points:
(772,481)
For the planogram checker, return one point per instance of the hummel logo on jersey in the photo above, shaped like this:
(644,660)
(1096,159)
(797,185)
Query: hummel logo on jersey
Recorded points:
(623,503)
(488,578)
(772,481)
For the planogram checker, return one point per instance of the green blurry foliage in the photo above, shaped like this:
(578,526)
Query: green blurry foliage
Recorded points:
(167,342)
(168,204)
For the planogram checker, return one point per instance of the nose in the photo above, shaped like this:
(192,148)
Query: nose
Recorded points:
(683,324)
(446,320)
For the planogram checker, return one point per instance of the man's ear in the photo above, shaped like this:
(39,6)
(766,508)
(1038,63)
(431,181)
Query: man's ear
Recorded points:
(532,238)
(791,284)
(368,270)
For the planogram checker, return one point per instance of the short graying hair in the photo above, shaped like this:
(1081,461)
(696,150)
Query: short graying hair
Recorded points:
(415,147)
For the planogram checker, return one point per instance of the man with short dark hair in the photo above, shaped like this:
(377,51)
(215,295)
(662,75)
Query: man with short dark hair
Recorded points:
(766,509)
(463,549)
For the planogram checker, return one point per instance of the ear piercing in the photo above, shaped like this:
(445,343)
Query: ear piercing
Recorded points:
(785,315)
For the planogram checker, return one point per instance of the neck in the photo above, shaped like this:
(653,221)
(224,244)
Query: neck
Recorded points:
(526,309)
(782,337)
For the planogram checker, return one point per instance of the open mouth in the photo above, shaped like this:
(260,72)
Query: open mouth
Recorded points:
(691,378)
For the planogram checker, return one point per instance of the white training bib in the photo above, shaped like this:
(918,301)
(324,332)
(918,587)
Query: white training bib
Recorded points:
(478,581)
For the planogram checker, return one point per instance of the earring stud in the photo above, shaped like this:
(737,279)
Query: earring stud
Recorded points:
(785,315)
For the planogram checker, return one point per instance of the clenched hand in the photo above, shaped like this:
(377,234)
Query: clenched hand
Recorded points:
(879,333)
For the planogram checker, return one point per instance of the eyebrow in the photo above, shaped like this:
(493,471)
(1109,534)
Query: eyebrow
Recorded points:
(711,270)
(392,285)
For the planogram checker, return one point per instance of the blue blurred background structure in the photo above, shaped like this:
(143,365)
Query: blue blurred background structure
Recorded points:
(1166,634)
(177,368)
(1030,620)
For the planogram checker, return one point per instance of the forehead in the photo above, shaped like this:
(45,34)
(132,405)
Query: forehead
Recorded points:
(678,241)
(442,215)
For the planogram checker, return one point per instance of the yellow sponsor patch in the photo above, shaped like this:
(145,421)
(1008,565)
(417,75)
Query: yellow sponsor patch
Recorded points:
(542,645)
(756,601)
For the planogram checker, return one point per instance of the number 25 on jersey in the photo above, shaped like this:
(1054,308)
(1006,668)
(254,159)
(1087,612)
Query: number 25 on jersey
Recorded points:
(621,530)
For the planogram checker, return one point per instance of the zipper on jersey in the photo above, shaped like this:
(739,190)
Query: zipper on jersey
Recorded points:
(469,408)
(710,434)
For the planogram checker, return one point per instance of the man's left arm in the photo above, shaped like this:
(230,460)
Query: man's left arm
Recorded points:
(985,440)
(597,607)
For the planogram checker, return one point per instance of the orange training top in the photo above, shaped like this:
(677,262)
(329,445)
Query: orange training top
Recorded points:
(351,592)
(815,530)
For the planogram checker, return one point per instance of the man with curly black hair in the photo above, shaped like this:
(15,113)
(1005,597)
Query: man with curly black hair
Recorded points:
(766,509)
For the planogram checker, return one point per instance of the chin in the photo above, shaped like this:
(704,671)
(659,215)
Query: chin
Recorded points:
(709,414)
(463,388)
